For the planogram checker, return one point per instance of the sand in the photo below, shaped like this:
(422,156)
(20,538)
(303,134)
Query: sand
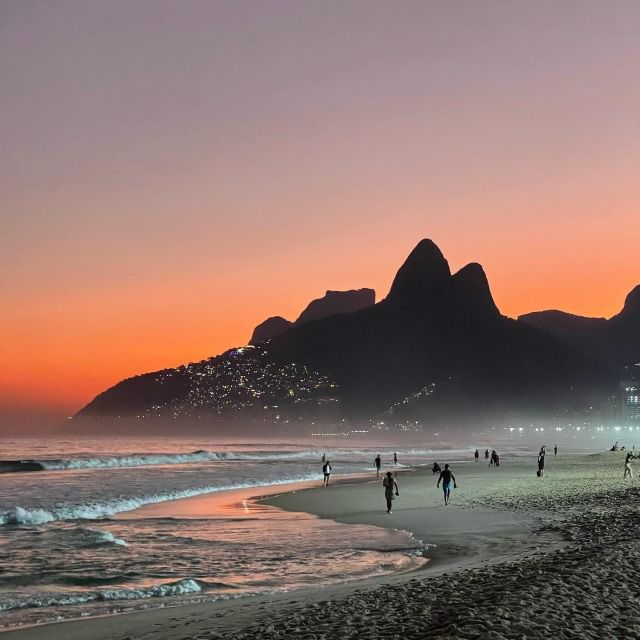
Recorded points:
(514,557)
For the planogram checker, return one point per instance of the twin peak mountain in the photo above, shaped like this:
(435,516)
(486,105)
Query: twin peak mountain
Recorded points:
(436,348)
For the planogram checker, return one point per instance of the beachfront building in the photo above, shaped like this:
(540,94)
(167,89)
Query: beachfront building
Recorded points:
(631,401)
(630,395)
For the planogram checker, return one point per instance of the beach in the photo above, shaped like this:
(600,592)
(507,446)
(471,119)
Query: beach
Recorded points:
(512,556)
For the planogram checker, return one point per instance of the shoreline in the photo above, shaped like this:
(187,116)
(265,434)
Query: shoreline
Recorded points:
(249,502)
(508,542)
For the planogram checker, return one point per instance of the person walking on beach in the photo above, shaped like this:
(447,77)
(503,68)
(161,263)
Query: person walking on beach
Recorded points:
(395,458)
(486,454)
(326,471)
(492,459)
(390,487)
(540,473)
(377,462)
(555,451)
(627,466)
(476,455)
(446,477)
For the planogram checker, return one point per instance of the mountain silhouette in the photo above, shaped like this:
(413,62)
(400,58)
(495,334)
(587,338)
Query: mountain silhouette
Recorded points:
(332,303)
(271,327)
(436,348)
(615,341)
(435,328)
(336,302)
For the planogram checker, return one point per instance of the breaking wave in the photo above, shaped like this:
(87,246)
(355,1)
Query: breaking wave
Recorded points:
(201,456)
(180,587)
(97,510)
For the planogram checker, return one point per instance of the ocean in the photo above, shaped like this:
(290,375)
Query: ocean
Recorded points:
(75,541)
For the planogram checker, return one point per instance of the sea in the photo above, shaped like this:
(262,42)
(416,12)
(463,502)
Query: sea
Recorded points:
(78,539)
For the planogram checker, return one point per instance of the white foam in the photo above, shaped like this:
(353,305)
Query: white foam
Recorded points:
(91,537)
(108,508)
(181,587)
(137,460)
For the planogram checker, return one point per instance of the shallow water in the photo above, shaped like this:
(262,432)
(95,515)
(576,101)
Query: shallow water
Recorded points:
(66,550)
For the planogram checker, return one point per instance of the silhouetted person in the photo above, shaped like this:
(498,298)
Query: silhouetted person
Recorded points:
(486,454)
(377,462)
(326,470)
(555,451)
(476,455)
(492,459)
(390,487)
(324,457)
(395,458)
(627,466)
(540,464)
(435,468)
(446,477)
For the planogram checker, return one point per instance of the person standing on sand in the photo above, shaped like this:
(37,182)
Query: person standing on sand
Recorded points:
(540,464)
(486,454)
(555,451)
(446,477)
(324,457)
(627,466)
(326,470)
(390,485)
(395,458)
(476,455)
(377,462)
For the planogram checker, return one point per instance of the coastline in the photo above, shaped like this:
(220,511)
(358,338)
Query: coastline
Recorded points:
(502,547)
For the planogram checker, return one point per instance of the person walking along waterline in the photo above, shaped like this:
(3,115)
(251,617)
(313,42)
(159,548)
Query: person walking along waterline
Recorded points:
(377,462)
(390,487)
(627,466)
(326,471)
(476,455)
(446,477)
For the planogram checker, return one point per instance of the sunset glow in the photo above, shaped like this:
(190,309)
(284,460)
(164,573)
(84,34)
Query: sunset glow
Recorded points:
(164,190)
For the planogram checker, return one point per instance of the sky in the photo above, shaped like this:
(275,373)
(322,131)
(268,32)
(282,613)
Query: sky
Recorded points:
(172,173)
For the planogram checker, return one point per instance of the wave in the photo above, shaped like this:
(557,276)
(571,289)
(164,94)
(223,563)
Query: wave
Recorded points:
(97,510)
(86,537)
(178,588)
(201,456)
(17,466)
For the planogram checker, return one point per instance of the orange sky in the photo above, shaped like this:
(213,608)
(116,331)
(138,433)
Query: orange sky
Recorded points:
(172,174)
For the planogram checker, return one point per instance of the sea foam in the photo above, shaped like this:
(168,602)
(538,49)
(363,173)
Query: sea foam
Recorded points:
(96,510)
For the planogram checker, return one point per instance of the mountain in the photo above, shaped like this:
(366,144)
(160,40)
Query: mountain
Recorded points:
(436,348)
(443,331)
(575,330)
(615,341)
(240,382)
(332,303)
(271,327)
(336,302)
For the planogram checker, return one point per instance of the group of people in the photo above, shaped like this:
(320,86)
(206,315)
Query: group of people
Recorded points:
(446,477)
(377,463)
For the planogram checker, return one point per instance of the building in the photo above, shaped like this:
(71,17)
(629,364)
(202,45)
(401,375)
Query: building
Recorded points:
(630,395)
